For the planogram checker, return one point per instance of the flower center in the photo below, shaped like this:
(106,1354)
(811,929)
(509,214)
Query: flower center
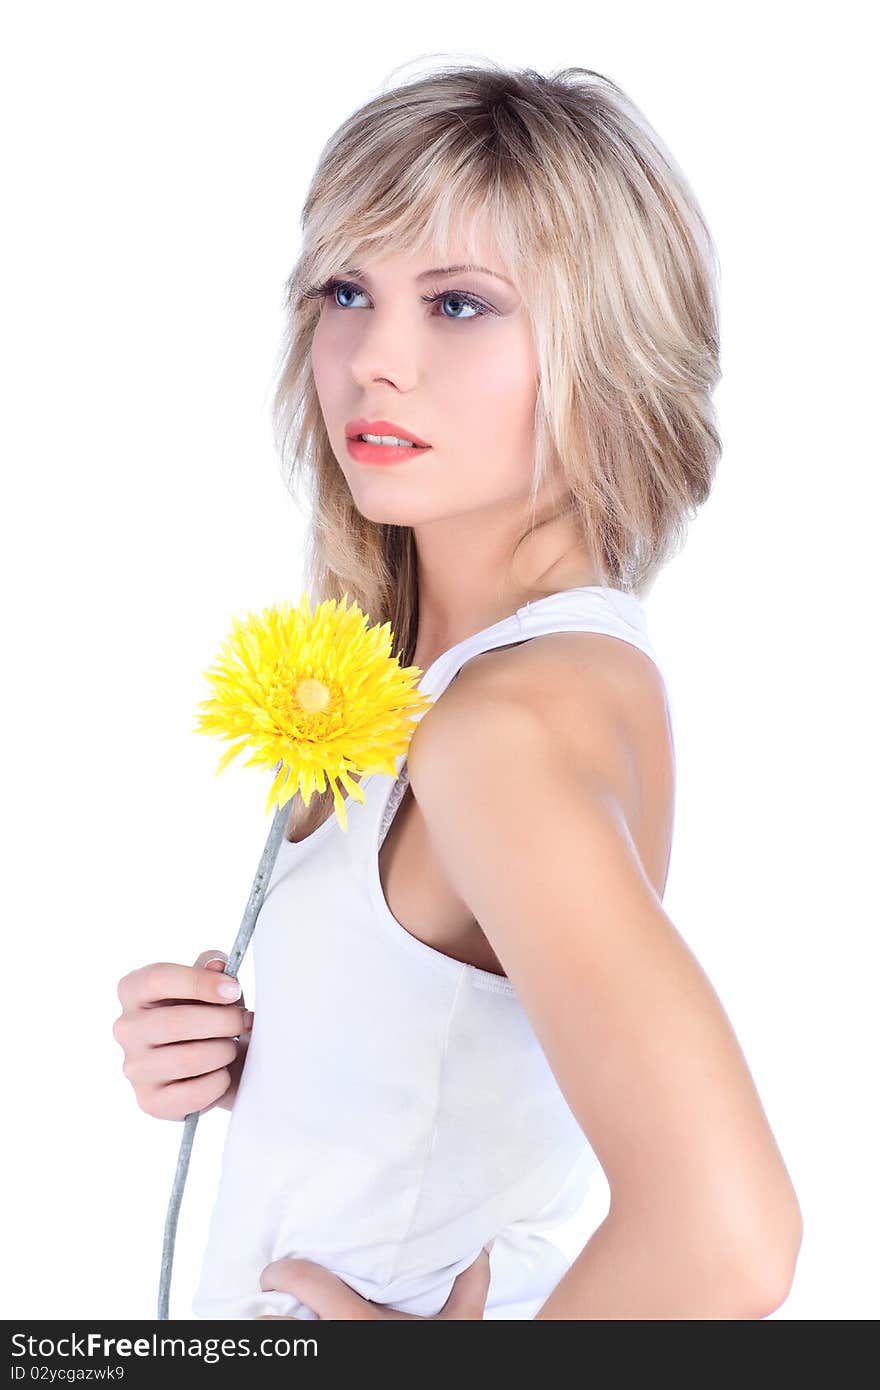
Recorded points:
(311,695)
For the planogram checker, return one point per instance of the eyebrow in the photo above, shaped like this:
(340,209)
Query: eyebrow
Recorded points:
(442,270)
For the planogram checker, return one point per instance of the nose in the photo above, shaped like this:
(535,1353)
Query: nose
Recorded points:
(386,351)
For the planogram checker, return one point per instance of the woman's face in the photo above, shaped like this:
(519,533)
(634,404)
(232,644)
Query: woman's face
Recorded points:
(459,372)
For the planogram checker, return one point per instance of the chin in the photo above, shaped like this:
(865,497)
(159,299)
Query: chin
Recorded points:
(385,511)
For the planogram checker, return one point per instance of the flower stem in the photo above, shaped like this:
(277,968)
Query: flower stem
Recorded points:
(240,945)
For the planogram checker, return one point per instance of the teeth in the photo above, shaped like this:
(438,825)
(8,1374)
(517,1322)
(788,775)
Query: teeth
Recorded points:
(387,439)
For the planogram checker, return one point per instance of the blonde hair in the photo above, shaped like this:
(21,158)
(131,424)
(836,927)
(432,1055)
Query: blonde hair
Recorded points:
(618,273)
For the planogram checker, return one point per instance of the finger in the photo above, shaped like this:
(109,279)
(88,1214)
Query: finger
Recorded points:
(215,961)
(166,982)
(324,1292)
(180,1023)
(182,1062)
(467,1297)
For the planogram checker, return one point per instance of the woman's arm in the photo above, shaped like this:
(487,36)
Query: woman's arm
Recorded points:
(630,1269)
(704,1221)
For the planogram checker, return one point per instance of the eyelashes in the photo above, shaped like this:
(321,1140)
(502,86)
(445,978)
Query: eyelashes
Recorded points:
(437,296)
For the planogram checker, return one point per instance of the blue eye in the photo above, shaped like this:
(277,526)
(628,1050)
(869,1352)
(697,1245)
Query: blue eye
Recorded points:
(331,286)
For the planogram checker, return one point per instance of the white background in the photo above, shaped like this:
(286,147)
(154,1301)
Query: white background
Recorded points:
(155,160)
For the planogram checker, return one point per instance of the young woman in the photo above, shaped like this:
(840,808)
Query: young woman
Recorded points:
(474,998)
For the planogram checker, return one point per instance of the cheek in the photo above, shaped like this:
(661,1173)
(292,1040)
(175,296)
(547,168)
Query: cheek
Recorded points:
(494,411)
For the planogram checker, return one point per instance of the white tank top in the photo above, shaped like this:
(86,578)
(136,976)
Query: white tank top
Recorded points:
(395,1110)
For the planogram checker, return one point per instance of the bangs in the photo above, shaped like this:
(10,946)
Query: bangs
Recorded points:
(443,208)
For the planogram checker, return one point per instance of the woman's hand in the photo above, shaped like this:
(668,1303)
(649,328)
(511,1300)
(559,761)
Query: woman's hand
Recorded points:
(180,1037)
(331,1298)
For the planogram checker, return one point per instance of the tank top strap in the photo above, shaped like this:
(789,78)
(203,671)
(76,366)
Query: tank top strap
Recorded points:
(588,609)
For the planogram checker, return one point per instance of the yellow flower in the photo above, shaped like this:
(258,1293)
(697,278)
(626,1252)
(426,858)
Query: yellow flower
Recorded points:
(321,692)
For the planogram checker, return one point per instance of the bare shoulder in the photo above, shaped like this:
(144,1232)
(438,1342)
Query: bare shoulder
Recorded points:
(600,697)
(598,658)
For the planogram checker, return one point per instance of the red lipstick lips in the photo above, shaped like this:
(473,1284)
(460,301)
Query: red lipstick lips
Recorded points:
(362,426)
(381,453)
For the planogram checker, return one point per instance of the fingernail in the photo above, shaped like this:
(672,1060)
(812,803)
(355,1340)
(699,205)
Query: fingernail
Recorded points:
(489,1246)
(229,989)
(210,958)
(248,1020)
